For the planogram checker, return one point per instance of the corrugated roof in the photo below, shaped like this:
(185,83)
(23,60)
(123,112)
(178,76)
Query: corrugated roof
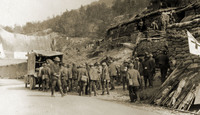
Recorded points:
(47,53)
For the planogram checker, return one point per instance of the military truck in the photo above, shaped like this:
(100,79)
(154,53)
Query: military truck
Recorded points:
(35,60)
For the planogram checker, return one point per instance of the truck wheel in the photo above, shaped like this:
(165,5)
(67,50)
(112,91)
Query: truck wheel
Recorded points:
(31,81)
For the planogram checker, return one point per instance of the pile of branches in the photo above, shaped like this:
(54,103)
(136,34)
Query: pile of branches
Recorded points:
(180,88)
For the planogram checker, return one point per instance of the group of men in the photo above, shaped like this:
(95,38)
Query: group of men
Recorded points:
(85,78)
(139,74)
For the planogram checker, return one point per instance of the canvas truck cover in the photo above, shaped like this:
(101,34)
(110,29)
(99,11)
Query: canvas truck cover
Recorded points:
(32,58)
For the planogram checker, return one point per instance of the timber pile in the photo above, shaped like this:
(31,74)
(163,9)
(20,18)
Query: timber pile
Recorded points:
(180,89)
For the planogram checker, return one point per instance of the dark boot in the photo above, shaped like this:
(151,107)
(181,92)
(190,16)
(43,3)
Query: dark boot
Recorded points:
(52,93)
(108,93)
(102,93)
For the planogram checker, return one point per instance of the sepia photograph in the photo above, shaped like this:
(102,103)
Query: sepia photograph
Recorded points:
(100,57)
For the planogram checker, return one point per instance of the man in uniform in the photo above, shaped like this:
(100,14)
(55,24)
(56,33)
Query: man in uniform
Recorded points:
(99,71)
(138,66)
(123,73)
(64,77)
(74,76)
(93,77)
(105,78)
(82,79)
(40,76)
(87,86)
(113,74)
(45,73)
(69,75)
(140,25)
(153,63)
(164,20)
(147,69)
(55,71)
(163,61)
(154,25)
(134,83)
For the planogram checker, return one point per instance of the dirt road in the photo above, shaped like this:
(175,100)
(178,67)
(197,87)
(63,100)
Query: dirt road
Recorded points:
(17,100)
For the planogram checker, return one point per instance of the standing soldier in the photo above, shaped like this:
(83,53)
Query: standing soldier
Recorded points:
(138,66)
(40,76)
(163,61)
(56,77)
(164,20)
(45,73)
(153,63)
(123,73)
(147,69)
(64,77)
(82,80)
(118,75)
(93,77)
(74,76)
(69,75)
(113,74)
(154,25)
(105,78)
(140,25)
(87,86)
(99,71)
(134,83)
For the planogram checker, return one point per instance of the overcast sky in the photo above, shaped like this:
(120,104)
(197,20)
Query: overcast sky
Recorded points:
(21,11)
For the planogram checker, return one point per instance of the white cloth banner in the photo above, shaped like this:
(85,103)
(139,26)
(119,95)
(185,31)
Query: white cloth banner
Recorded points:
(194,45)
(20,55)
(2,54)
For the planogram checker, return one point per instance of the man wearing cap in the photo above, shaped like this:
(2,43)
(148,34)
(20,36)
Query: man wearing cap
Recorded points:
(163,61)
(123,73)
(147,69)
(93,77)
(55,71)
(87,86)
(105,78)
(45,73)
(134,79)
(99,71)
(153,63)
(113,74)
(74,76)
(69,76)
(138,66)
(82,79)
(118,75)
(64,77)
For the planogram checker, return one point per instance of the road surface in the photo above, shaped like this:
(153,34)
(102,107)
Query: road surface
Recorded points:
(17,100)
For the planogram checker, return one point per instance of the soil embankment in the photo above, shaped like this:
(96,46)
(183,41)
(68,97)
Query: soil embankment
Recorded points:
(12,68)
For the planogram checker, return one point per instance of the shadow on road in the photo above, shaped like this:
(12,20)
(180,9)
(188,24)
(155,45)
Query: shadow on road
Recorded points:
(39,95)
(195,107)
(16,88)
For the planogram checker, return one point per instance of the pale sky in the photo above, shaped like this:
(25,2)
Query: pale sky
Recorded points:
(21,11)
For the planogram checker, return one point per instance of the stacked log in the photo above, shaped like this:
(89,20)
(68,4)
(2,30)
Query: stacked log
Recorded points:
(178,41)
(180,88)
